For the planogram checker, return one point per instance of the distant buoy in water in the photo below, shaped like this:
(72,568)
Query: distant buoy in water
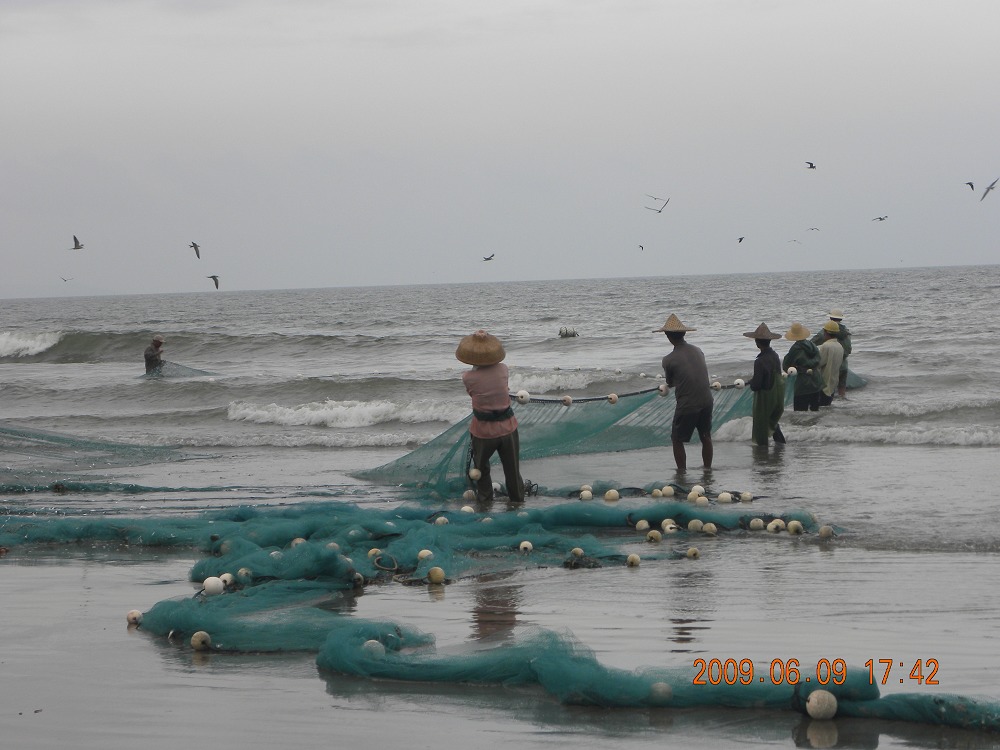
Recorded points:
(826,532)
(213,586)
(698,489)
(632,560)
(586,495)
(425,554)
(611,496)
(657,492)
(746,497)
(436,575)
(725,497)
(739,383)
(475,474)
(710,528)
(756,524)
(567,400)
(373,648)
(641,525)
(693,553)
(654,536)
(792,371)
(667,491)
(134,617)
(794,527)
(695,524)
(612,398)
(821,704)
(201,641)
(440,521)
(523,397)
(526,547)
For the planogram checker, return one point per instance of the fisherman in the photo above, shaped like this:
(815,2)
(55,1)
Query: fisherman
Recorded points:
(804,357)
(768,388)
(831,355)
(153,354)
(844,337)
(494,426)
(685,371)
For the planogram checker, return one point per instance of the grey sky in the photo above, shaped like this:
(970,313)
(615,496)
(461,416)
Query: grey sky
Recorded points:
(307,144)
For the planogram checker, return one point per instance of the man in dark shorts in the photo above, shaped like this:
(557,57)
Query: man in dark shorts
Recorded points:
(153,356)
(687,373)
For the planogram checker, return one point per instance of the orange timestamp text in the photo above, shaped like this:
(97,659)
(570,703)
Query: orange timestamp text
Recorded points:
(793,672)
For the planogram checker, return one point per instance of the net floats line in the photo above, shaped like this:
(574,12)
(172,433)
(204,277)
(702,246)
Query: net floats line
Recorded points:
(523,397)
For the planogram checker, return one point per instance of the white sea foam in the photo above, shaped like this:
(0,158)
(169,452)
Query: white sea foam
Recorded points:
(301,440)
(347,414)
(559,381)
(740,430)
(21,344)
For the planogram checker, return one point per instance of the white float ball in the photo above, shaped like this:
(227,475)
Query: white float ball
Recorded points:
(716,385)
(725,497)
(641,525)
(653,536)
(213,586)
(440,521)
(612,398)
(373,648)
(739,382)
(567,400)
(693,553)
(276,554)
(821,704)
(586,495)
(475,474)
(469,495)
(611,495)
(425,554)
(780,523)
(661,691)
(496,486)
(792,371)
(576,552)
(795,527)
(468,509)
(487,520)
(585,487)
(657,492)
(526,546)
(642,374)
(296,542)
(201,641)
(663,388)
(756,524)
(618,371)
(695,524)
(669,527)
(825,532)
(373,552)
(134,617)
(701,500)
(746,497)
(228,579)
(773,527)
(667,491)
(698,489)
(710,528)
(523,397)
(334,546)
(692,496)
(632,560)
(436,575)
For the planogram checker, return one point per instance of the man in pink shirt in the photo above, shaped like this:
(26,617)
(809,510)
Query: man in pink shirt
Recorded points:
(493,427)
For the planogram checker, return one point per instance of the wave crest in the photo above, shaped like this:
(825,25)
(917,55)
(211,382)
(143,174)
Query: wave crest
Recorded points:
(13,344)
(346,414)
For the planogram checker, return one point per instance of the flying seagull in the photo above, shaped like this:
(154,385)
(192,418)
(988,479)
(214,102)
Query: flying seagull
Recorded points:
(660,209)
(813,229)
(641,247)
(197,249)
(215,279)
(980,200)
(880,218)
(739,240)
(811,165)
(78,246)
(971,186)
(65,279)
(489,257)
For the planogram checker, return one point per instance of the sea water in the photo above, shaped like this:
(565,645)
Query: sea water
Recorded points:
(280,396)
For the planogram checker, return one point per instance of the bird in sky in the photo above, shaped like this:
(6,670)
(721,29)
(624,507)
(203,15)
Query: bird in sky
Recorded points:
(65,279)
(971,186)
(980,200)
(215,279)
(739,239)
(76,244)
(880,218)
(489,257)
(811,165)
(660,209)
(641,247)
(197,249)
(813,229)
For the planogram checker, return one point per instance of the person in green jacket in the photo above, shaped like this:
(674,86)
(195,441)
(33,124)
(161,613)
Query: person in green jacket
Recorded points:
(804,357)
(844,337)
(768,388)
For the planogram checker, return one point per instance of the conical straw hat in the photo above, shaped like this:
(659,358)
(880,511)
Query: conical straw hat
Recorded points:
(762,332)
(480,348)
(836,314)
(673,325)
(797,332)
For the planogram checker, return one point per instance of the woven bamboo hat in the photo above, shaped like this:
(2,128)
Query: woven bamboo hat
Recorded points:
(673,325)
(480,348)
(762,332)
(832,326)
(797,332)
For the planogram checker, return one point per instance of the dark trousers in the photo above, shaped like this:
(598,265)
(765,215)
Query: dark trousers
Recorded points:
(806,402)
(825,400)
(509,448)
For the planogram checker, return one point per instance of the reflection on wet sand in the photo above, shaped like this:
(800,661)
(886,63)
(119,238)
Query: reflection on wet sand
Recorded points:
(494,614)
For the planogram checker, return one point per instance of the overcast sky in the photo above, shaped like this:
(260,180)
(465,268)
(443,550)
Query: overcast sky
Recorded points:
(314,143)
